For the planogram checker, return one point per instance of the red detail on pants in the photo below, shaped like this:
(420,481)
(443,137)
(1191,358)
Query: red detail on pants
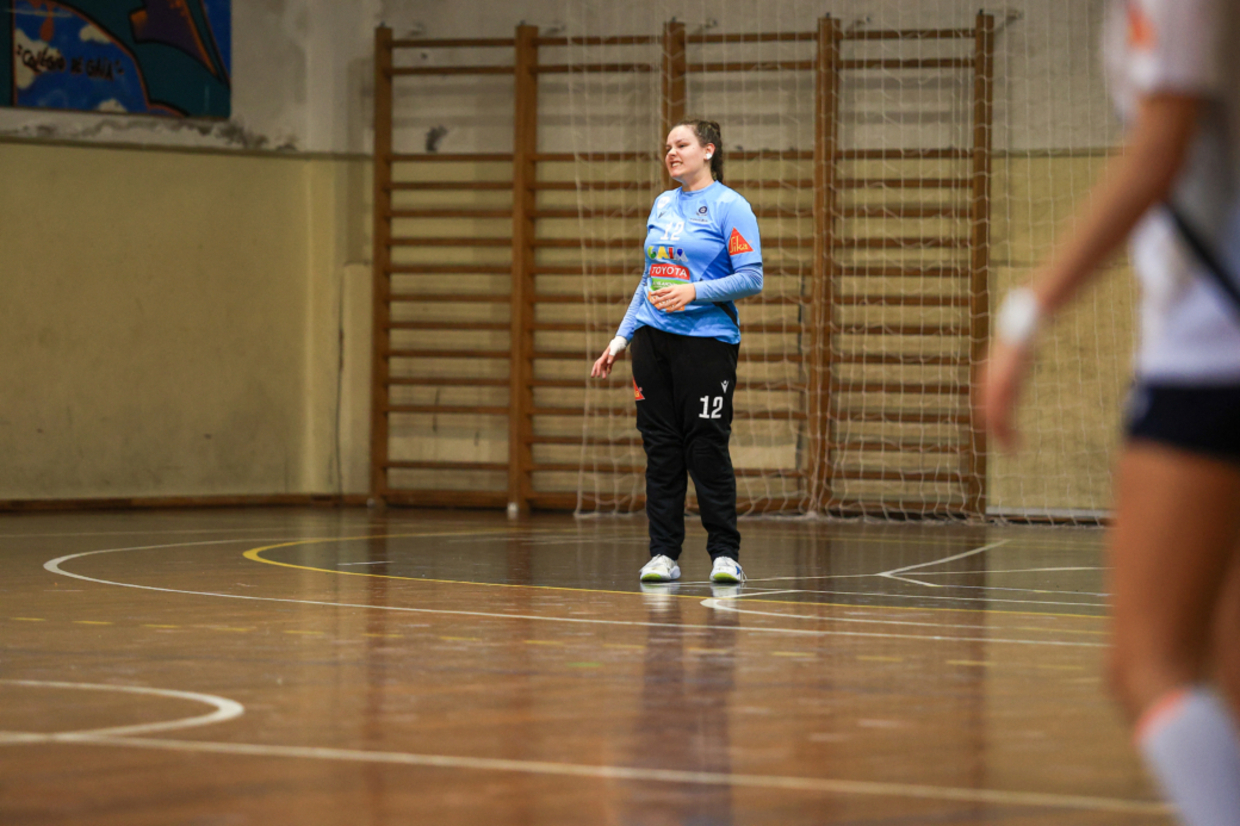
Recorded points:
(637,392)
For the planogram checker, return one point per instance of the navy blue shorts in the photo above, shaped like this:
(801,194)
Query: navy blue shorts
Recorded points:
(1194,418)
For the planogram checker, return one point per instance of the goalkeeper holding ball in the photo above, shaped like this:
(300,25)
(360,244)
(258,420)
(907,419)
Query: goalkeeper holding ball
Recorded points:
(702,253)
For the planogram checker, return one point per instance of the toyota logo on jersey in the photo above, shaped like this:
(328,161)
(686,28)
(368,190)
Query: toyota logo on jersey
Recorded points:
(666,272)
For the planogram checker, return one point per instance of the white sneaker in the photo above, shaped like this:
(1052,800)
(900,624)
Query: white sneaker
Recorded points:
(727,570)
(660,569)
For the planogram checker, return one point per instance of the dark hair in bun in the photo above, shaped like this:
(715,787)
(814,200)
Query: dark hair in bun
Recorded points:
(708,131)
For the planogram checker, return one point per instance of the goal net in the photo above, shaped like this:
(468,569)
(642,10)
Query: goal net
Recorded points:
(908,163)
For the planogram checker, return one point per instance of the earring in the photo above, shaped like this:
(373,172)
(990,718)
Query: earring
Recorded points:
(708,157)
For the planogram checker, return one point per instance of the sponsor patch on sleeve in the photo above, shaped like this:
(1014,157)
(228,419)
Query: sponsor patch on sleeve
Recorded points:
(737,243)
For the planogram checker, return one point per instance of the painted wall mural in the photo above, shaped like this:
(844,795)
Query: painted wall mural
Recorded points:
(162,57)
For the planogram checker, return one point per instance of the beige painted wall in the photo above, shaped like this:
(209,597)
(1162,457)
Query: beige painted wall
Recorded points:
(1070,410)
(170,322)
(180,324)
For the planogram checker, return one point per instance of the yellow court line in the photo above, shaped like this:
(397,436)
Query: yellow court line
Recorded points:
(255,555)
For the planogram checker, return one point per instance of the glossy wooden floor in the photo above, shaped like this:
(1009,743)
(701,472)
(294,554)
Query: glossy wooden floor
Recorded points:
(338,667)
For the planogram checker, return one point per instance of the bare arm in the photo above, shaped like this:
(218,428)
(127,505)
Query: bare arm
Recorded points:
(1133,182)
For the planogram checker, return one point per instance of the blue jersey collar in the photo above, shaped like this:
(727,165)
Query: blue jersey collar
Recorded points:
(697,192)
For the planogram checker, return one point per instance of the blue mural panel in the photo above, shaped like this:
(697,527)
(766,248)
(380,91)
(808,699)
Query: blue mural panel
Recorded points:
(165,57)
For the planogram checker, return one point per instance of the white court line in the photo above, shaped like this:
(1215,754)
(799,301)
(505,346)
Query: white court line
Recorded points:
(358,526)
(914,582)
(802,578)
(996,797)
(757,593)
(225,709)
(1016,571)
(54,566)
(720,605)
(894,572)
(889,595)
(1003,588)
(152,533)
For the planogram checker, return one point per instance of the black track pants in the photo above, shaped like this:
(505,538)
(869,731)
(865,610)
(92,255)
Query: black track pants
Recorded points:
(684,387)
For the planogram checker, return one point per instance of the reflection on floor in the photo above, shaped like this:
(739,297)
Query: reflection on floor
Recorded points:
(324,667)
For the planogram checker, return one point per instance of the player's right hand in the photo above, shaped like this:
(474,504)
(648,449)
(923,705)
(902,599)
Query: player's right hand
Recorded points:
(1003,373)
(602,367)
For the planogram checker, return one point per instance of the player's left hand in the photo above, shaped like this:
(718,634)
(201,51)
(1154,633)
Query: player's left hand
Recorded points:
(673,299)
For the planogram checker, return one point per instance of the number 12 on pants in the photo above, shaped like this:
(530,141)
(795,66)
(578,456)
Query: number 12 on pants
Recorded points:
(712,407)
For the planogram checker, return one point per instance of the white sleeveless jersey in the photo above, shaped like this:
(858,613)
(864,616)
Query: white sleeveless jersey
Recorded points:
(1190,332)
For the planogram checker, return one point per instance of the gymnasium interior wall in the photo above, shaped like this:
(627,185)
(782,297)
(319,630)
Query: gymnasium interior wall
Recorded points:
(172,323)
(186,312)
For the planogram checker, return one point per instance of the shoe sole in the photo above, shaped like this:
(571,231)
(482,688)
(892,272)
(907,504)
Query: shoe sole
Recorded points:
(726,579)
(659,578)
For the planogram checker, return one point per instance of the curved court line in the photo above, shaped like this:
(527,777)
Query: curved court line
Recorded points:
(255,555)
(784,783)
(54,566)
(225,709)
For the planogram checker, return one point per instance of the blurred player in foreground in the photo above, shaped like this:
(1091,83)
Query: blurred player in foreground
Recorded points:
(1175,659)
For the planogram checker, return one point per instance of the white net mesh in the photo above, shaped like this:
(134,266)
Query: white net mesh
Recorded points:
(896,207)
(933,203)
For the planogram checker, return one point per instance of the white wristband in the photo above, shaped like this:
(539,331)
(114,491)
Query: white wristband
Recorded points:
(1019,317)
(617,346)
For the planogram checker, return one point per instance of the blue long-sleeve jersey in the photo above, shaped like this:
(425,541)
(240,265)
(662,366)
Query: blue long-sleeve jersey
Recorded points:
(708,238)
